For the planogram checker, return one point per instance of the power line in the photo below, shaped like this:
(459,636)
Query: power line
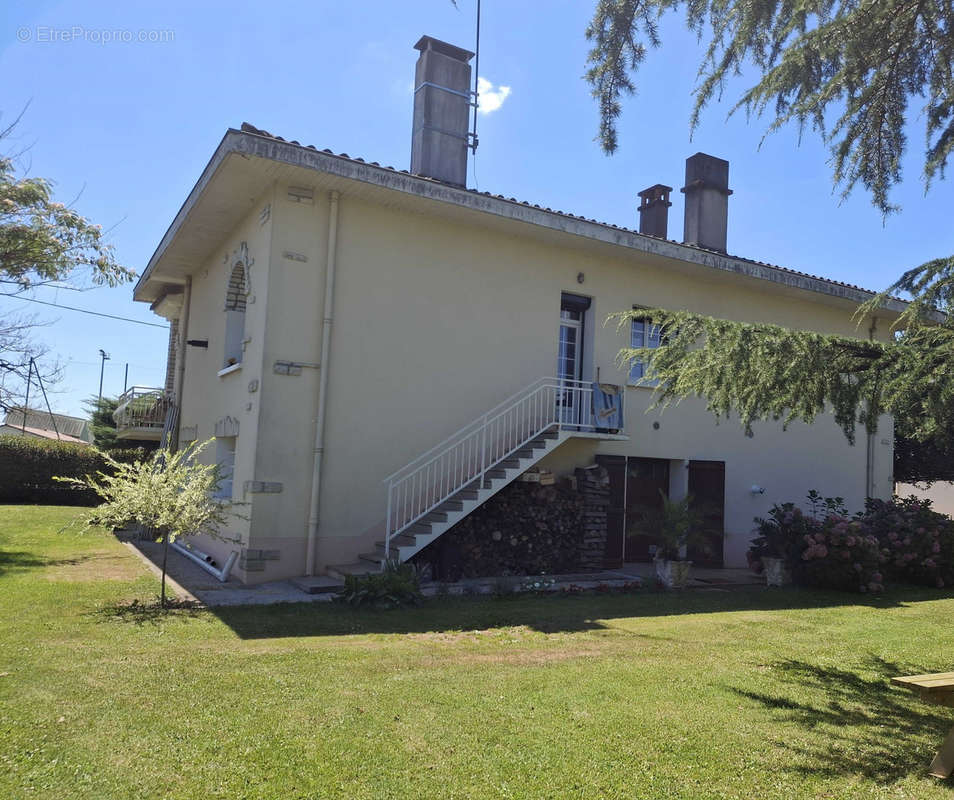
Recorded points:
(87,311)
(47,286)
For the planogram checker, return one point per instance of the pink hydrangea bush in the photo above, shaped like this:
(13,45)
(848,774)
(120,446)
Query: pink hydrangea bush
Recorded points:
(902,539)
(917,543)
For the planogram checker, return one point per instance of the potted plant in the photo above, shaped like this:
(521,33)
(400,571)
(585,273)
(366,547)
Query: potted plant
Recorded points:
(675,525)
(777,540)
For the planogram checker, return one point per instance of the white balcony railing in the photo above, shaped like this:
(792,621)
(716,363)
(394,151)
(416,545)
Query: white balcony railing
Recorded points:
(142,407)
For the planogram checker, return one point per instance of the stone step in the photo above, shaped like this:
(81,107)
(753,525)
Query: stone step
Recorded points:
(404,540)
(373,558)
(357,568)
(317,584)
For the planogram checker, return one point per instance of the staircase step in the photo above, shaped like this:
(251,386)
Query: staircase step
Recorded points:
(550,435)
(420,529)
(510,463)
(466,494)
(496,472)
(373,558)
(521,454)
(451,505)
(317,584)
(436,516)
(404,540)
(358,568)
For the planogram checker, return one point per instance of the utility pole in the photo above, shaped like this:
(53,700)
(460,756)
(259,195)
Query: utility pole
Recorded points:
(126,379)
(102,366)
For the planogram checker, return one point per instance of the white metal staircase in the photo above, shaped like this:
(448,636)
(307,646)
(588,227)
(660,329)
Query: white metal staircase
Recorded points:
(439,488)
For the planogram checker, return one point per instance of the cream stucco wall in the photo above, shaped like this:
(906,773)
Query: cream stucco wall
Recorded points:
(207,397)
(435,322)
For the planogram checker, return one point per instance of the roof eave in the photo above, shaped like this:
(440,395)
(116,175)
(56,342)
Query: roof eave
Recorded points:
(294,154)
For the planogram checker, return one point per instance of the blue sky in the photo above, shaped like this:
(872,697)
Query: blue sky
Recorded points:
(128,127)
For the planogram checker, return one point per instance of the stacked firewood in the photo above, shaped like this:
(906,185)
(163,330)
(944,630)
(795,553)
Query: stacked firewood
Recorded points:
(525,529)
(594,488)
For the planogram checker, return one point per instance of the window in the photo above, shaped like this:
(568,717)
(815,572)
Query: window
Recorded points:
(642,334)
(225,458)
(235,317)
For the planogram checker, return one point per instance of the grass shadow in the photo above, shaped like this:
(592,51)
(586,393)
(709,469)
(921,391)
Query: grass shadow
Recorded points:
(559,614)
(149,613)
(23,560)
(860,725)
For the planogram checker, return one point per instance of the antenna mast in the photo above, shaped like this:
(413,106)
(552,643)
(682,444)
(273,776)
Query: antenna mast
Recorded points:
(474,141)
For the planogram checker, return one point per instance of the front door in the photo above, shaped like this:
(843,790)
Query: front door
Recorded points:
(647,482)
(707,489)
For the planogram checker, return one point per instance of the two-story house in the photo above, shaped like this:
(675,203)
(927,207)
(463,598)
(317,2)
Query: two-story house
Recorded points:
(379,351)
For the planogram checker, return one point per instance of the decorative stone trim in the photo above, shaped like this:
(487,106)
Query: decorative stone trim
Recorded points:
(293,256)
(252,560)
(237,289)
(262,487)
(227,426)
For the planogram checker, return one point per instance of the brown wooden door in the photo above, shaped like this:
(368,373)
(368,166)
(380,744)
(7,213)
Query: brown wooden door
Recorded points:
(647,480)
(707,488)
(615,513)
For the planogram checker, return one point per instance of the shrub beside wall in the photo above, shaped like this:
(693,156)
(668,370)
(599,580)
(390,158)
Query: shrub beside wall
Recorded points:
(28,465)
(902,540)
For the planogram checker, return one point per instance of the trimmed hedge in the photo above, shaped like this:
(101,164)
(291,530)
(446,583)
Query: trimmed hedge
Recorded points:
(28,465)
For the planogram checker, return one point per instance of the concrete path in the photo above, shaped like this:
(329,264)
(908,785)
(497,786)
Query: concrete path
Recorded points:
(190,582)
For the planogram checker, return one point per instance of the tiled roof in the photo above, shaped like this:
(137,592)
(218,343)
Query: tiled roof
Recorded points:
(248,128)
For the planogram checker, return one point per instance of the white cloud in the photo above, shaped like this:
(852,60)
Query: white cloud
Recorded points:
(491,98)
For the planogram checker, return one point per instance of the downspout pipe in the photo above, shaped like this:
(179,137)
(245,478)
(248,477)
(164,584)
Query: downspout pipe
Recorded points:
(220,574)
(870,437)
(181,359)
(326,323)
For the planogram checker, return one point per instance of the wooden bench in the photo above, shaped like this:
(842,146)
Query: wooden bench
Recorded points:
(937,689)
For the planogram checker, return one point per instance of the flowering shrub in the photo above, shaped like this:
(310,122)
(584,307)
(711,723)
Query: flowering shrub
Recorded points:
(901,538)
(917,543)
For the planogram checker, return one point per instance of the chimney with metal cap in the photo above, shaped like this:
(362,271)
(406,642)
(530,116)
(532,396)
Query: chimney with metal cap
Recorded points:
(442,103)
(707,201)
(654,210)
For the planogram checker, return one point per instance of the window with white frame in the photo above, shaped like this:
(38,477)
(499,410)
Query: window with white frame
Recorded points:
(642,334)
(225,458)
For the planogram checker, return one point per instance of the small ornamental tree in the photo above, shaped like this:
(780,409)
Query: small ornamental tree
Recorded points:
(169,494)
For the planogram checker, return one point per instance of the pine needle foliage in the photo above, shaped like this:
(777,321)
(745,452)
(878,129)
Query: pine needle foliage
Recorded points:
(766,372)
(849,69)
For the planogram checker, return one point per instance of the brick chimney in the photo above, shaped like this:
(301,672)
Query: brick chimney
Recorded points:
(442,103)
(654,210)
(707,201)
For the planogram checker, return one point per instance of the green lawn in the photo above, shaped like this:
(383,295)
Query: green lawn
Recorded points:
(748,694)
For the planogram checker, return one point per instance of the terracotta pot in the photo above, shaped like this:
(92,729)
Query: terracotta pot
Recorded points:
(776,574)
(672,574)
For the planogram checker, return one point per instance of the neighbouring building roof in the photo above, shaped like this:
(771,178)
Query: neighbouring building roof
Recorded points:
(37,421)
(42,433)
(252,141)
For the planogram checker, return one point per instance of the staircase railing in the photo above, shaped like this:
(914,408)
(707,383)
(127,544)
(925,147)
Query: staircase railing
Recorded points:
(466,455)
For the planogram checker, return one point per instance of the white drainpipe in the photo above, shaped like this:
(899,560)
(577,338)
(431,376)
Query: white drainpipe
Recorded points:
(322,382)
(221,574)
(181,358)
